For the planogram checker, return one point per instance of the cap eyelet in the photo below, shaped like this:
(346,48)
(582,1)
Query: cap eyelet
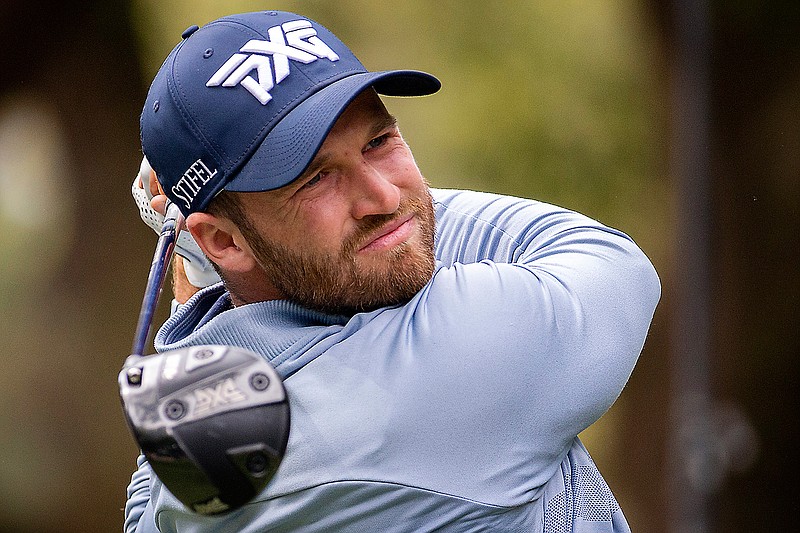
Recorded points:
(189,31)
(156,105)
(208,53)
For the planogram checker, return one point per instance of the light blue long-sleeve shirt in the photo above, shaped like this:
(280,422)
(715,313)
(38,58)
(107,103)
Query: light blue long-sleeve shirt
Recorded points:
(458,411)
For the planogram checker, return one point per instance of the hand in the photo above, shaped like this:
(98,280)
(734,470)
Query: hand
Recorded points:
(152,206)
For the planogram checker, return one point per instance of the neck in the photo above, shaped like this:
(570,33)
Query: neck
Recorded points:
(251,288)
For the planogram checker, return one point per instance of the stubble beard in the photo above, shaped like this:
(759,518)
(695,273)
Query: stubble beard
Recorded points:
(338,283)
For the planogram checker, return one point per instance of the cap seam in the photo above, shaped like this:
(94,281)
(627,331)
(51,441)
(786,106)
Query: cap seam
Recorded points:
(211,144)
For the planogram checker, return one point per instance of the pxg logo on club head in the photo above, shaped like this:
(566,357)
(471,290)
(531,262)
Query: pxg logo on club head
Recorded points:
(213,422)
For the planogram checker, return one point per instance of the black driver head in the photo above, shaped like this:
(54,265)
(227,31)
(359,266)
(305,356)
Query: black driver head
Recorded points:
(213,422)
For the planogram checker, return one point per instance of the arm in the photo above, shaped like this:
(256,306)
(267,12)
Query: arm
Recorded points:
(138,508)
(561,293)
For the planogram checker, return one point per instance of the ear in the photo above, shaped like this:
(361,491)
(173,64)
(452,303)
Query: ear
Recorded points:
(222,242)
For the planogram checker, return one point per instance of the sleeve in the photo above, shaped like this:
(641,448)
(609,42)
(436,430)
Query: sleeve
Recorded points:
(139,516)
(556,306)
(476,226)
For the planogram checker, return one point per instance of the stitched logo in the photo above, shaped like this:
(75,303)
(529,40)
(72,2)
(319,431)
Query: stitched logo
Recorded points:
(223,393)
(296,40)
(197,175)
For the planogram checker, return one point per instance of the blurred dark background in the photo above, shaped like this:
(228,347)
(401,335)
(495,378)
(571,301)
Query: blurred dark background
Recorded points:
(677,122)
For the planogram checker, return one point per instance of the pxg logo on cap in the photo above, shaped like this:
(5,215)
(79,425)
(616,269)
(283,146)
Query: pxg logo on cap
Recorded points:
(245,102)
(296,40)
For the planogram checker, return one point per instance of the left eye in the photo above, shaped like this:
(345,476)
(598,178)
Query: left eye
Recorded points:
(376,142)
(313,181)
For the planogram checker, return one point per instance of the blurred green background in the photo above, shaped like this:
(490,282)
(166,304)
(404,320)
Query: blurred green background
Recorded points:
(578,103)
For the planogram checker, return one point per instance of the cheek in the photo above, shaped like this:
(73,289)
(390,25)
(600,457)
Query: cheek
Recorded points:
(403,168)
(321,224)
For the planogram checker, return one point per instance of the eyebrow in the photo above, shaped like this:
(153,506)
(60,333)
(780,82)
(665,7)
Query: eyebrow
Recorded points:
(386,121)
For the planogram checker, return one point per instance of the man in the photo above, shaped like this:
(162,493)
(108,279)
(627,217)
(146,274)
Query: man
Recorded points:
(441,350)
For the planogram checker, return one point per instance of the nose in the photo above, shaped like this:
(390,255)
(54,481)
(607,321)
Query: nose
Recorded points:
(374,193)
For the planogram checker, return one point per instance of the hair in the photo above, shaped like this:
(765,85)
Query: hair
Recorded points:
(226,204)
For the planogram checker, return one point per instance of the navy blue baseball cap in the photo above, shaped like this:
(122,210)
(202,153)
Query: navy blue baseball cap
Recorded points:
(245,102)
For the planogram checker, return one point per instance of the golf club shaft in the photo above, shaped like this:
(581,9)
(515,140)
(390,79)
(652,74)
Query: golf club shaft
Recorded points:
(173,223)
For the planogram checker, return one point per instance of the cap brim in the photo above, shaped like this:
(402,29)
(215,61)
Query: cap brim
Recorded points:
(288,149)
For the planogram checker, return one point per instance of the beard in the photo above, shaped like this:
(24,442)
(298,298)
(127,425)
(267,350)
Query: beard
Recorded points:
(335,282)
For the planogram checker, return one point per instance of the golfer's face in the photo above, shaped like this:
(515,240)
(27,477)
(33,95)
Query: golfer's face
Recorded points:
(355,231)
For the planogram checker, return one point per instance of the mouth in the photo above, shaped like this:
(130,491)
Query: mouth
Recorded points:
(392,234)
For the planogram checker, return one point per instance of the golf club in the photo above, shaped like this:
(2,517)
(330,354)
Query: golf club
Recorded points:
(212,421)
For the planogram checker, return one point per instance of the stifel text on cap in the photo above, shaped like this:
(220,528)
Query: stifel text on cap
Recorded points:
(197,175)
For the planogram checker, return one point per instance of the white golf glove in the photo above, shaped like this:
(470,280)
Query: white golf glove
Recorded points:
(198,268)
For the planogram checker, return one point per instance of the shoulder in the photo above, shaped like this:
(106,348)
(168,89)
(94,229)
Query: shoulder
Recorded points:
(466,200)
(491,210)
